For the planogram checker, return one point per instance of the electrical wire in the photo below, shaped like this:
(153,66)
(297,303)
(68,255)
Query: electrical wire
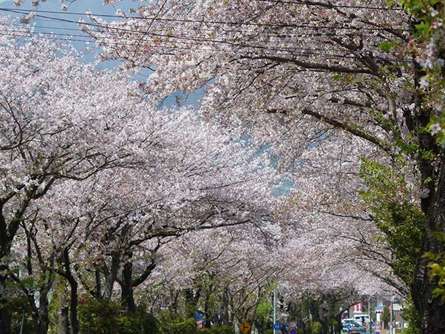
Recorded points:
(169,36)
(270,34)
(198,41)
(164,43)
(75,38)
(21,34)
(301,52)
(166,19)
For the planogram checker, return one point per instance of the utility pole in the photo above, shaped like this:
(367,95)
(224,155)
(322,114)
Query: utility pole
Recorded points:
(369,314)
(390,316)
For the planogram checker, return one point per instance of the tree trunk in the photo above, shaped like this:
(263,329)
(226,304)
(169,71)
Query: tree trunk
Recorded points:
(430,310)
(5,323)
(8,230)
(435,307)
(43,318)
(175,295)
(74,298)
(225,307)
(98,284)
(112,275)
(63,327)
(207,300)
(5,247)
(435,317)
(74,321)
(432,178)
(127,293)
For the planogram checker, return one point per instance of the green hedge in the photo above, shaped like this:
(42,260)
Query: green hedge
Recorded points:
(105,317)
(225,329)
(179,326)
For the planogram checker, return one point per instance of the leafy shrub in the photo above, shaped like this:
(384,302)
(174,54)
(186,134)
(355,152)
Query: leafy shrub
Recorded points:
(179,326)
(108,317)
(412,316)
(315,327)
(98,317)
(224,329)
(20,312)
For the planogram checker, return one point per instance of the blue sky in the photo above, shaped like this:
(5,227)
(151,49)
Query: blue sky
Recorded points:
(96,6)
(51,22)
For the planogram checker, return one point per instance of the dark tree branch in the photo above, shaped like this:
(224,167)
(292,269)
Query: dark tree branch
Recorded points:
(350,128)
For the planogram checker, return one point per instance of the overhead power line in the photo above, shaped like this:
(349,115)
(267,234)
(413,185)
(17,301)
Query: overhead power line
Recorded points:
(305,52)
(76,40)
(169,19)
(265,34)
(125,42)
(188,41)
(182,20)
(202,41)
(198,39)
(24,34)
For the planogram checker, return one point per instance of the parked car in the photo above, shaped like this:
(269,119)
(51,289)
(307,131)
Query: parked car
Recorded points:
(351,326)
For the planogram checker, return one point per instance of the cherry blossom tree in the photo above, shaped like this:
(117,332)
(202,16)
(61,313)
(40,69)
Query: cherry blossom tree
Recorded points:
(55,127)
(204,183)
(295,72)
(224,272)
(239,267)
(96,180)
